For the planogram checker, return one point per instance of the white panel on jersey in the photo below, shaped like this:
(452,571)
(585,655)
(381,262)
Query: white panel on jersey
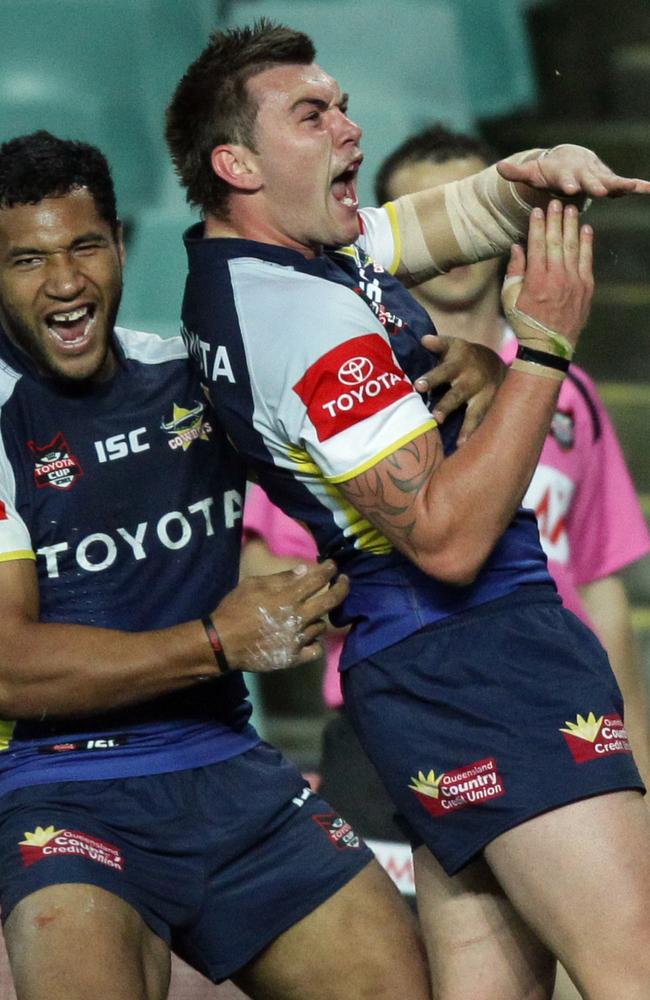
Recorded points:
(289,320)
(14,536)
(8,379)
(149,348)
(15,541)
(378,237)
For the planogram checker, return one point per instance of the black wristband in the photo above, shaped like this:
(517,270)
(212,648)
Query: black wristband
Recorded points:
(543,358)
(215,642)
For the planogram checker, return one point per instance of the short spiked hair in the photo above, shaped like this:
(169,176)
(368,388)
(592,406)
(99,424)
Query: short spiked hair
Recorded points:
(211,104)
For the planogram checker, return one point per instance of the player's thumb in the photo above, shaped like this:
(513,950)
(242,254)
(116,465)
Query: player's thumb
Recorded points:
(517,262)
(514,278)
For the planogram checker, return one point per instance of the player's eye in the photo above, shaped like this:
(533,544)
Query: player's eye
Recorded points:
(23,263)
(87,248)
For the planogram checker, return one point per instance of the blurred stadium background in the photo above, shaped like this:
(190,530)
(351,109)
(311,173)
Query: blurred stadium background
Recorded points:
(521,72)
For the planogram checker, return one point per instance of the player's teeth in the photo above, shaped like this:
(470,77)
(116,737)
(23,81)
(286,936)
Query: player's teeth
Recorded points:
(69,317)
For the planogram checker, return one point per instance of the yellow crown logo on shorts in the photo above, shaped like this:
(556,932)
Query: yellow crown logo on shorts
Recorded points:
(40,836)
(584,729)
(6,732)
(427,784)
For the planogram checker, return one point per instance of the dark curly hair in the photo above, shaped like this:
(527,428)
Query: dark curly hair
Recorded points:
(211,104)
(40,165)
(434,143)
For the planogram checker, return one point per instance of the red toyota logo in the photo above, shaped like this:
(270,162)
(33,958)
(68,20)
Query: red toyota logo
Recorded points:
(355,371)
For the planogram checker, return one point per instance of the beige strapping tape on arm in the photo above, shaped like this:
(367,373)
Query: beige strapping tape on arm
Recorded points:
(529,331)
(460,223)
(487,213)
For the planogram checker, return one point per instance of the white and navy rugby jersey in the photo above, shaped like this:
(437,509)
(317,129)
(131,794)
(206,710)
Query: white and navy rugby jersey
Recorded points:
(307,364)
(129,499)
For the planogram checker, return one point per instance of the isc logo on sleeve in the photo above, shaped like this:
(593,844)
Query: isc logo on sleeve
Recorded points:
(351,382)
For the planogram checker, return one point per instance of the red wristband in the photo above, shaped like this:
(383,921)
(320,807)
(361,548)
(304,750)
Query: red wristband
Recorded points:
(215,642)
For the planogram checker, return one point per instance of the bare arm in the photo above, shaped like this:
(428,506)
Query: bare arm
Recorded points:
(61,669)
(608,608)
(447,514)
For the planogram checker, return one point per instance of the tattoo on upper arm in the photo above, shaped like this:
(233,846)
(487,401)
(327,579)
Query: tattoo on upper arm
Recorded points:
(387,493)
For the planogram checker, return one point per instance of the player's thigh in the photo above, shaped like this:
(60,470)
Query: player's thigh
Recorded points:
(479,948)
(580,875)
(360,943)
(77,941)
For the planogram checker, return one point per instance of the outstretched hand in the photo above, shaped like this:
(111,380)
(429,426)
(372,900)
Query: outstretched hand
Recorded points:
(571,170)
(473,373)
(551,282)
(273,622)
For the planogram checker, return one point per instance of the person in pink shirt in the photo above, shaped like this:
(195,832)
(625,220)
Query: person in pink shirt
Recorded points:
(587,509)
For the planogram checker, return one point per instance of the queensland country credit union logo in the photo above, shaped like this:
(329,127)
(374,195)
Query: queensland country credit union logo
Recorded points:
(472,785)
(593,738)
(48,842)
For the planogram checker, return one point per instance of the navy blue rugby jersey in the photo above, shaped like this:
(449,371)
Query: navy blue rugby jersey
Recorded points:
(309,364)
(128,497)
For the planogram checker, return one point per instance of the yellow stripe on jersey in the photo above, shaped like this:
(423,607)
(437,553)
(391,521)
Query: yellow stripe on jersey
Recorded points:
(303,462)
(18,554)
(394,225)
(428,426)
(366,536)
(351,250)
(6,732)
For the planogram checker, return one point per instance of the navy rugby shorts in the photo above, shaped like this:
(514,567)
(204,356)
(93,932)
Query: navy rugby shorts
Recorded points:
(218,860)
(489,718)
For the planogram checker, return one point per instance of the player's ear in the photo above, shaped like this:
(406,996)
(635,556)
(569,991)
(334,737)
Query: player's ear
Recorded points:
(237,166)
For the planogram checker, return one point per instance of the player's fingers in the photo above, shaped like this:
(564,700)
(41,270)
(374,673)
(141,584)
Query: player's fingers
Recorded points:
(586,254)
(598,186)
(452,399)
(639,186)
(304,580)
(525,172)
(433,379)
(474,414)
(311,632)
(536,245)
(554,234)
(517,262)
(567,183)
(308,654)
(607,182)
(570,237)
(321,604)
(445,371)
(599,181)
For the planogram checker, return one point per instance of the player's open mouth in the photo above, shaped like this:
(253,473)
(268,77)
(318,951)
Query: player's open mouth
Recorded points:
(72,328)
(344,186)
